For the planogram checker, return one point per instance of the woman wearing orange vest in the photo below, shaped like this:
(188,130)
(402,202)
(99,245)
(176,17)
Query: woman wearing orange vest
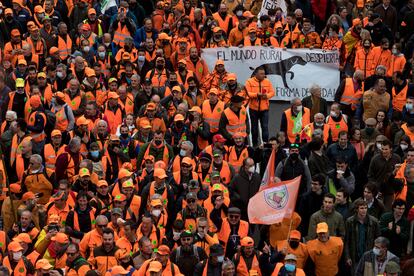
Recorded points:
(231,229)
(247,252)
(364,59)
(397,60)
(82,218)
(294,120)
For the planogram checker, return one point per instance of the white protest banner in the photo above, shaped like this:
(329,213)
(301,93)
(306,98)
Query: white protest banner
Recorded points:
(272,4)
(291,71)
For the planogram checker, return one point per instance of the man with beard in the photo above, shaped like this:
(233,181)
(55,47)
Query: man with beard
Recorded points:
(188,254)
(144,32)
(234,119)
(157,148)
(75,263)
(233,88)
(16,262)
(196,64)
(84,183)
(144,253)
(102,201)
(247,258)
(217,78)
(104,255)
(74,97)
(116,156)
(239,152)
(6,25)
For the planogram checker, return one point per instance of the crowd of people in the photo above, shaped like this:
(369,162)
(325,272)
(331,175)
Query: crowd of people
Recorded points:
(123,154)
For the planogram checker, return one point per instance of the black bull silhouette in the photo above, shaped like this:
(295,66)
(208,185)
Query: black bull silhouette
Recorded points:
(281,68)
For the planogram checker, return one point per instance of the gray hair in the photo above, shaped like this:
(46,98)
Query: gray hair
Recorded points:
(75,141)
(189,144)
(383,241)
(101,218)
(294,100)
(37,158)
(62,66)
(319,114)
(314,87)
(227,263)
(12,114)
(102,122)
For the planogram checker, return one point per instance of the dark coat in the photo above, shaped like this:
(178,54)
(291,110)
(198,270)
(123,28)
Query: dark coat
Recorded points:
(323,105)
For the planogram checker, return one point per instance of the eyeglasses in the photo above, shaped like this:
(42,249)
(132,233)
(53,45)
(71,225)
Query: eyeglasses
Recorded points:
(186,239)
(191,200)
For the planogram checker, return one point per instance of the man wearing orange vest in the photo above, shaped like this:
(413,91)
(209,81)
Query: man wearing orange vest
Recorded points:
(122,27)
(231,229)
(114,113)
(289,267)
(17,99)
(157,148)
(234,119)
(294,120)
(247,258)
(224,20)
(196,64)
(293,245)
(213,265)
(217,78)
(349,93)
(337,121)
(37,122)
(16,263)
(53,149)
(318,123)
(400,91)
(22,161)
(67,163)
(260,90)
(239,152)
(212,109)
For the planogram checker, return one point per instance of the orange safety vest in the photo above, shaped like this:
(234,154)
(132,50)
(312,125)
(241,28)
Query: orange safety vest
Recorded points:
(225,231)
(37,137)
(237,161)
(399,100)
(113,119)
(164,195)
(177,176)
(128,106)
(19,166)
(242,268)
(37,46)
(397,64)
(19,270)
(33,256)
(235,123)
(248,42)
(350,96)
(290,122)
(176,166)
(76,219)
(408,132)
(120,34)
(224,24)
(50,155)
(11,99)
(61,119)
(14,146)
(212,117)
(134,206)
(75,102)
(337,127)
(155,242)
(165,155)
(65,47)
(298,271)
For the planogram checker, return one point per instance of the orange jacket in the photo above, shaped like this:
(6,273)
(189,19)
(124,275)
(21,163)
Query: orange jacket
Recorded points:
(236,36)
(242,268)
(364,61)
(89,241)
(326,255)
(396,65)
(64,46)
(311,39)
(301,252)
(50,155)
(254,88)
(399,100)
(212,117)
(114,119)
(382,57)
(225,231)
(223,24)
(200,68)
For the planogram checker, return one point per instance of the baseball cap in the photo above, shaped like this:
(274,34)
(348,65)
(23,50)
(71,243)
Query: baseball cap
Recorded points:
(164,36)
(195,109)
(41,75)
(187,161)
(191,196)
(151,106)
(60,95)
(178,117)
(19,82)
(89,72)
(23,237)
(248,14)
(111,80)
(113,95)
(295,234)
(231,76)
(205,156)
(213,91)
(121,253)
(53,50)
(322,228)
(84,172)
(217,187)
(156,202)
(159,173)
(217,29)
(183,61)
(86,27)
(176,88)
(186,234)
(43,264)
(218,138)
(102,183)
(154,266)
(216,250)
(247,241)
(15,188)
(234,210)
(124,173)
(28,196)
(193,183)
(128,184)
(60,238)
(217,153)
(163,250)
(14,246)
(219,62)
(117,211)
(56,132)
(91,11)
(82,121)
(149,157)
(291,257)
(53,219)
(145,123)
(120,197)
(252,30)
(21,61)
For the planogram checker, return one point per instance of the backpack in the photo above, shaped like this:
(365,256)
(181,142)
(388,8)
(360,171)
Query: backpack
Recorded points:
(178,254)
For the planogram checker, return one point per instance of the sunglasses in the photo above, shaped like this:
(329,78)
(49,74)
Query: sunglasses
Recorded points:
(191,200)
(186,239)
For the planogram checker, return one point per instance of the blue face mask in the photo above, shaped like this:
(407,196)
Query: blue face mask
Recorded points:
(290,267)
(95,153)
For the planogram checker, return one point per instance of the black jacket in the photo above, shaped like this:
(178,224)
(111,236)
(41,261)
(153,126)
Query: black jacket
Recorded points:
(323,105)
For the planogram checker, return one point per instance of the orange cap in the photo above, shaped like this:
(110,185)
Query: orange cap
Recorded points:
(145,124)
(84,172)
(60,238)
(43,264)
(178,117)
(219,62)
(163,250)
(89,72)
(149,157)
(128,184)
(23,237)
(160,164)
(82,121)
(14,246)
(356,21)
(239,134)
(151,106)
(231,76)
(322,228)
(154,266)
(159,173)
(295,234)
(126,55)
(41,75)
(35,101)
(121,253)
(187,161)
(183,61)
(113,95)
(156,202)
(177,88)
(120,197)
(195,109)
(247,241)
(91,11)
(28,196)
(124,173)
(217,29)
(217,187)
(60,95)
(56,132)
(15,188)
(182,39)
(102,183)
(39,9)
(248,14)
(213,91)
(252,30)
(21,61)
(164,36)
(128,166)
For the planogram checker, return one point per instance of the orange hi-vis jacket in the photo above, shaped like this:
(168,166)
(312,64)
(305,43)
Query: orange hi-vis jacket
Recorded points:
(236,123)
(236,160)
(120,34)
(89,241)
(64,46)
(400,99)
(396,65)
(337,127)
(225,231)
(19,270)
(382,57)
(364,61)
(200,68)
(290,123)
(407,131)
(351,96)
(243,270)
(114,119)
(401,175)
(223,23)
(326,255)
(212,117)
(255,89)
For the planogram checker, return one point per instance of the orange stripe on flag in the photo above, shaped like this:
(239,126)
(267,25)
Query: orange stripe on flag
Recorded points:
(273,204)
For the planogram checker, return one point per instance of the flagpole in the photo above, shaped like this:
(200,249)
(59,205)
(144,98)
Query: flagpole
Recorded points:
(290,228)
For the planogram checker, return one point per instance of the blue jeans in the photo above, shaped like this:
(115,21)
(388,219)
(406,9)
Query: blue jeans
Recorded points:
(263,116)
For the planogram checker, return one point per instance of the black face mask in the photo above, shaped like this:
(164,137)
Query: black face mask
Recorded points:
(213,198)
(192,88)
(191,117)
(157,142)
(173,83)
(179,124)
(233,86)
(165,42)
(167,31)
(294,156)
(124,135)
(294,244)
(60,102)
(223,13)
(9,18)
(181,68)
(185,34)
(160,66)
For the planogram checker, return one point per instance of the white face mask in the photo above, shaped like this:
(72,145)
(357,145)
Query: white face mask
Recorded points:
(404,146)
(251,170)
(107,44)
(59,74)
(409,106)
(299,108)
(141,58)
(35,171)
(176,235)
(239,13)
(333,113)
(220,259)
(377,251)
(17,256)
(319,124)
(394,51)
(86,49)
(156,212)
(101,55)
(379,146)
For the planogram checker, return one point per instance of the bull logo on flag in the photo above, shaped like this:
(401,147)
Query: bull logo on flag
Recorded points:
(277,198)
